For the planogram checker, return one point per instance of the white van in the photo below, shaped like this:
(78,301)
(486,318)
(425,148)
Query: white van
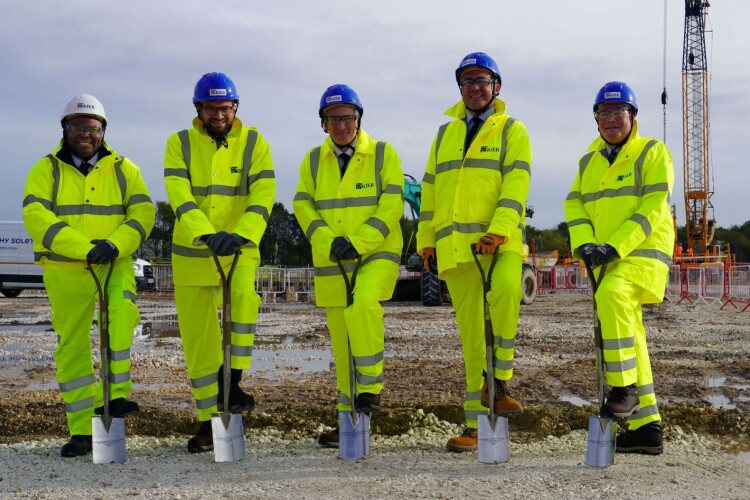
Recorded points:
(18,271)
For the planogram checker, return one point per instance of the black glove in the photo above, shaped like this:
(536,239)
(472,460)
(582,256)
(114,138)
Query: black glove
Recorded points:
(224,243)
(343,248)
(586,251)
(104,251)
(603,254)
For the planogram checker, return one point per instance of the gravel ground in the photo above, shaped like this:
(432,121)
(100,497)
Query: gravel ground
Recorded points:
(701,370)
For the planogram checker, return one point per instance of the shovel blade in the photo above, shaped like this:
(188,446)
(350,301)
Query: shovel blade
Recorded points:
(600,451)
(229,441)
(354,439)
(108,446)
(492,442)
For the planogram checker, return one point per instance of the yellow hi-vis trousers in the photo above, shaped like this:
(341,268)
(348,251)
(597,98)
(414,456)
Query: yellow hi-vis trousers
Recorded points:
(626,359)
(465,286)
(362,325)
(72,294)
(201,335)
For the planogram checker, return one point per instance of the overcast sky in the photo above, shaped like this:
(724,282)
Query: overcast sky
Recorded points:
(142,59)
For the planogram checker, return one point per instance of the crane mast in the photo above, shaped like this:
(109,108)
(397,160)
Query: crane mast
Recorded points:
(695,132)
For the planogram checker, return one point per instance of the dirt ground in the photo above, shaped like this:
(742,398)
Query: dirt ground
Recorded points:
(700,357)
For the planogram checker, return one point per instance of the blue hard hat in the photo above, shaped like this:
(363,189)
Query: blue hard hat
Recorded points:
(215,87)
(616,92)
(339,94)
(479,60)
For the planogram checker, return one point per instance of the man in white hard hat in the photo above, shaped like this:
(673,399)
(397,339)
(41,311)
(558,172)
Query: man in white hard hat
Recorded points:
(86,205)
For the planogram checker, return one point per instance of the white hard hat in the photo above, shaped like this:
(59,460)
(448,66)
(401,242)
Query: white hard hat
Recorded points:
(84,104)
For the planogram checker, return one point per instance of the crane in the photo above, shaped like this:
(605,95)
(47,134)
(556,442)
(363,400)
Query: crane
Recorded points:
(695,131)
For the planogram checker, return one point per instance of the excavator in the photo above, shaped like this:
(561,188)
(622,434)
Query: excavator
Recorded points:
(433,291)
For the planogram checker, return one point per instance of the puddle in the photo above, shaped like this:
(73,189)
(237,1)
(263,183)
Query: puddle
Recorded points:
(575,400)
(26,328)
(720,401)
(744,456)
(268,364)
(715,381)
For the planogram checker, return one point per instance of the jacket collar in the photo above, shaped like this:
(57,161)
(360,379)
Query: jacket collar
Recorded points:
(458,110)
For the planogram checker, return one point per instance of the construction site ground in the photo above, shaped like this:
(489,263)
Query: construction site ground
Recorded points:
(700,357)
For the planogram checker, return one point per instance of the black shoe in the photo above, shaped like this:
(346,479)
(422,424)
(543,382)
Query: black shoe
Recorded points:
(203,440)
(239,400)
(329,439)
(645,439)
(621,402)
(119,407)
(367,402)
(77,446)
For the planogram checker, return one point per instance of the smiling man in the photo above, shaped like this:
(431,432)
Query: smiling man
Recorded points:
(618,214)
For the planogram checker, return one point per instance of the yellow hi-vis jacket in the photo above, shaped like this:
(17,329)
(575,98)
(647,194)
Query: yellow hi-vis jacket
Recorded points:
(626,205)
(64,210)
(366,206)
(230,188)
(484,191)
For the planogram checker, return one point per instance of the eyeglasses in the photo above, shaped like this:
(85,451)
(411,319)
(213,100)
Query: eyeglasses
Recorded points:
(214,110)
(341,119)
(479,82)
(612,114)
(83,129)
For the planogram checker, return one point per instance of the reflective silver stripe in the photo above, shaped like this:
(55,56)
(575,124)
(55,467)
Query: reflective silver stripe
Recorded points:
(83,404)
(426,216)
(659,187)
(215,189)
(128,295)
(77,383)
(394,189)
(139,198)
(344,399)
(184,136)
(379,154)
(204,381)
(367,379)
(652,254)
(643,222)
(578,222)
(243,327)
(33,199)
(260,210)
(638,167)
(504,141)
(573,195)
(516,165)
(177,172)
(428,178)
(120,355)
(138,227)
(247,160)
(503,365)
(314,164)
(447,166)
(184,208)
(645,411)
(505,343)
(119,378)
(473,414)
(121,180)
(512,204)
(368,360)
(55,181)
(439,139)
(367,201)
(379,225)
(473,395)
(466,228)
(263,174)
(609,193)
(88,209)
(300,196)
(481,163)
(643,390)
(53,257)
(314,225)
(349,265)
(614,344)
(620,366)
(190,252)
(206,403)
(49,236)
(584,162)
(240,350)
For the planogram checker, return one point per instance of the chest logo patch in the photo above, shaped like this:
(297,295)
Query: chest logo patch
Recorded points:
(235,170)
(621,178)
(364,185)
(489,149)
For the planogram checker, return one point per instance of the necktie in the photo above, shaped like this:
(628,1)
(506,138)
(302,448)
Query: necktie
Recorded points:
(612,155)
(85,167)
(476,122)
(344,162)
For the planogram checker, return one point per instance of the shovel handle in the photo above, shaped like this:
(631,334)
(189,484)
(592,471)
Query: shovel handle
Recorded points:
(598,349)
(103,292)
(489,334)
(226,328)
(349,301)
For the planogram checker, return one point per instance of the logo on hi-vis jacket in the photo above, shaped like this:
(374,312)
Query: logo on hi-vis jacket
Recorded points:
(235,170)
(621,178)
(364,185)
(489,149)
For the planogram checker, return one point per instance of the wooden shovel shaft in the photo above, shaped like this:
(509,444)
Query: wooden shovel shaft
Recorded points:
(489,334)
(103,292)
(598,348)
(349,284)
(226,330)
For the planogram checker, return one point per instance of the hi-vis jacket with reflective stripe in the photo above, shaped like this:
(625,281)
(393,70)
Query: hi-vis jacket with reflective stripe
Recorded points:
(484,192)
(626,205)
(64,210)
(214,189)
(366,205)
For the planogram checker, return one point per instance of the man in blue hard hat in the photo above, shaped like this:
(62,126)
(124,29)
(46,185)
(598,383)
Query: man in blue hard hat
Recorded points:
(618,214)
(473,201)
(220,182)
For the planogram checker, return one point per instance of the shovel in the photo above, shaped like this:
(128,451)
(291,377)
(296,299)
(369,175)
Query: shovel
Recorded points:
(108,432)
(354,426)
(229,439)
(493,429)
(600,450)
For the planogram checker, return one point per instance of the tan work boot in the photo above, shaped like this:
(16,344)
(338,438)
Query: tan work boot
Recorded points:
(505,404)
(467,441)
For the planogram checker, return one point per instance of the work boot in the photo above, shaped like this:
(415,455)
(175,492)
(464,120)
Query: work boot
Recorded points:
(505,404)
(621,402)
(78,445)
(119,407)
(203,440)
(645,439)
(367,402)
(329,439)
(467,441)
(239,400)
